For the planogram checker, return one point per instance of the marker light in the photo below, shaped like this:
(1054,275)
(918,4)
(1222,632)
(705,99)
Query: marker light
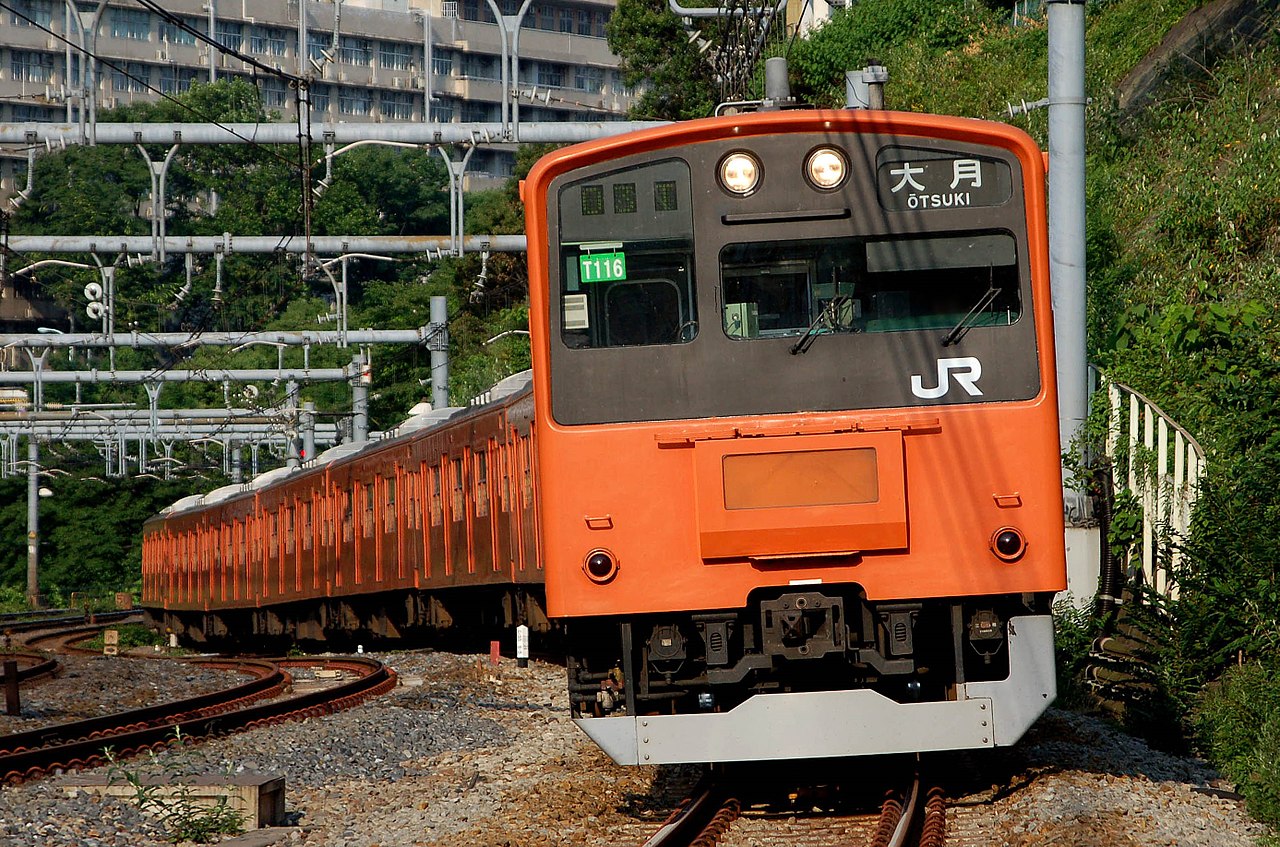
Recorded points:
(826,168)
(1008,544)
(739,173)
(600,566)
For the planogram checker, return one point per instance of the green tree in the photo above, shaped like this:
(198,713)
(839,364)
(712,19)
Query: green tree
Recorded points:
(657,56)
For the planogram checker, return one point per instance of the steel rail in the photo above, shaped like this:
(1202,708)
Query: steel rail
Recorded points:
(698,821)
(35,665)
(217,717)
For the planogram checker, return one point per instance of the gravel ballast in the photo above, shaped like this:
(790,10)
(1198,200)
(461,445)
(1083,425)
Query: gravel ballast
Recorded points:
(463,753)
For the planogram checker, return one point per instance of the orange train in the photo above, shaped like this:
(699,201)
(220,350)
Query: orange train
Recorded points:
(798,457)
(432,527)
(789,463)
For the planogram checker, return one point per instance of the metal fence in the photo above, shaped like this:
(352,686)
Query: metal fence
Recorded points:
(1161,464)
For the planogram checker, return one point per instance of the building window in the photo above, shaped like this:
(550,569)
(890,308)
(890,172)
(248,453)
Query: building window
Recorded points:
(267,39)
(31,67)
(273,93)
(473,112)
(173,34)
(449,9)
(588,79)
(31,12)
(175,80)
(130,23)
(551,75)
(355,51)
(584,22)
(442,112)
(130,76)
(316,46)
(397,106)
(353,101)
(25,114)
(442,64)
(320,97)
(230,35)
(479,66)
(566,20)
(395,56)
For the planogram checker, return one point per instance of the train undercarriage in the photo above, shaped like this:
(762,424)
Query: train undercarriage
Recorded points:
(360,619)
(807,645)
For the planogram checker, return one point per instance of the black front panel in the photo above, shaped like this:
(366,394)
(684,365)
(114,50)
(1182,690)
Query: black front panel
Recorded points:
(673,298)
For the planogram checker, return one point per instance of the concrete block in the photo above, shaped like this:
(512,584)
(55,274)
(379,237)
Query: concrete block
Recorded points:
(258,797)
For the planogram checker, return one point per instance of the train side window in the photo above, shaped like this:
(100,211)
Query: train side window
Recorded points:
(437,503)
(506,474)
(459,498)
(482,482)
(389,514)
(526,483)
(306,525)
(273,548)
(366,517)
(348,505)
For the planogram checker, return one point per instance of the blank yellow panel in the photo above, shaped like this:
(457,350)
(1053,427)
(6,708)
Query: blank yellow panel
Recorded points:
(808,478)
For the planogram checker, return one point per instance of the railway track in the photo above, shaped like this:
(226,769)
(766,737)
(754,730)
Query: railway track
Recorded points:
(715,813)
(257,702)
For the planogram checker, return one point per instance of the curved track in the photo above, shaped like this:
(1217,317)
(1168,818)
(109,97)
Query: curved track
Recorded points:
(29,755)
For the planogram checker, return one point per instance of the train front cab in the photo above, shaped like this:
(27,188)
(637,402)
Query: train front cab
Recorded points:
(798,449)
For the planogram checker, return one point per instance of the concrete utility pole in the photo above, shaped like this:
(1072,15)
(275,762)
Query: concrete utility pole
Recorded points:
(1067,224)
(1067,103)
(33,522)
(438,344)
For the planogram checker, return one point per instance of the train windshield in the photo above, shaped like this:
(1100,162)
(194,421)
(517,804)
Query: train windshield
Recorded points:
(626,265)
(848,285)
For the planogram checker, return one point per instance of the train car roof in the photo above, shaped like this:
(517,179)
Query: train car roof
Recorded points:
(262,480)
(217,495)
(504,388)
(188,502)
(425,420)
(339,452)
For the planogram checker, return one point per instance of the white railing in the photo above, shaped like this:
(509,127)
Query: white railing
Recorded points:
(1163,476)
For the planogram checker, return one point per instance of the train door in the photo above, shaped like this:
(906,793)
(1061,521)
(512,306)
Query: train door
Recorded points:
(436,560)
(529,566)
(387,527)
(345,545)
(504,518)
(482,560)
(365,491)
(409,538)
(269,527)
(457,563)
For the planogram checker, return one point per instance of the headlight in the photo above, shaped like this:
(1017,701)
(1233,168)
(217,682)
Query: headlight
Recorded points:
(739,173)
(826,167)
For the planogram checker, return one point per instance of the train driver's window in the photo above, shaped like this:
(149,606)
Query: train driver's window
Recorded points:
(625,273)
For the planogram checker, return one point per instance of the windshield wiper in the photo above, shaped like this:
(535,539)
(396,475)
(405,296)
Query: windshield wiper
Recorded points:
(957,332)
(826,317)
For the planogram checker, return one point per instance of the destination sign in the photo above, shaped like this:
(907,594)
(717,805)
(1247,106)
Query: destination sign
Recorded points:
(918,180)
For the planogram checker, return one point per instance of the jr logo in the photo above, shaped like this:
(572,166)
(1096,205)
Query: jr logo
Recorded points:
(966,371)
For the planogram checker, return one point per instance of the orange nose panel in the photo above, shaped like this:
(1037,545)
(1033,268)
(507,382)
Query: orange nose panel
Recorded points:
(803,478)
(789,496)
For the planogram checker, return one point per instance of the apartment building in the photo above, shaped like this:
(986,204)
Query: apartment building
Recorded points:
(371,60)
